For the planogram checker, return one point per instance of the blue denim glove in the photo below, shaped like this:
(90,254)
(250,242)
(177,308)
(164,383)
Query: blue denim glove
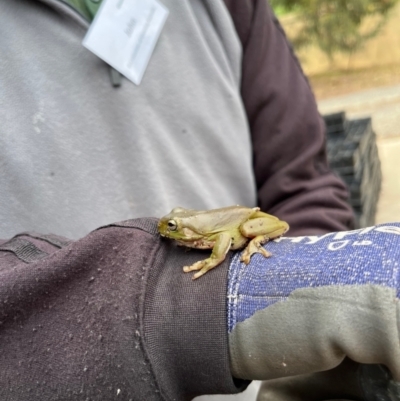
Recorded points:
(317,303)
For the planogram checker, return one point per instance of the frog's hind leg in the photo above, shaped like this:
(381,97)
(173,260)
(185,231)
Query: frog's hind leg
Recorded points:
(255,246)
(220,249)
(261,229)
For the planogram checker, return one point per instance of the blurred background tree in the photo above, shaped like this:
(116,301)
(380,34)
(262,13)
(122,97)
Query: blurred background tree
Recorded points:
(335,25)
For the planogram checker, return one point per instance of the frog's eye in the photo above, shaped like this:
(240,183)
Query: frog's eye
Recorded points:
(172,225)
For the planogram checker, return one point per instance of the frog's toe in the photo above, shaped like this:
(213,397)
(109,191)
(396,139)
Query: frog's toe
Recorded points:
(207,266)
(254,246)
(264,252)
(199,274)
(195,266)
(245,257)
(203,266)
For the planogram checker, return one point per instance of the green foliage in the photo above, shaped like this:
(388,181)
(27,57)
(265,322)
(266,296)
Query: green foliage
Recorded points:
(336,25)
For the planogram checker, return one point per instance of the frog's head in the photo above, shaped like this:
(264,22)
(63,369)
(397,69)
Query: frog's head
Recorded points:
(175,225)
(173,228)
(168,227)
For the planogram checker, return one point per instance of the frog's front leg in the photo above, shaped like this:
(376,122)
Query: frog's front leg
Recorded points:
(221,247)
(261,229)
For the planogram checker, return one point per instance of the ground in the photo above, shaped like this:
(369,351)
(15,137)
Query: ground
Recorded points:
(338,83)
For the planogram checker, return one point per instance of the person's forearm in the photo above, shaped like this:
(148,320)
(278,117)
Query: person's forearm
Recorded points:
(114,314)
(110,316)
(292,175)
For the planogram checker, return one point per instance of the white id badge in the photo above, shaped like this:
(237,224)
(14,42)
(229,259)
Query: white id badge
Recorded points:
(124,33)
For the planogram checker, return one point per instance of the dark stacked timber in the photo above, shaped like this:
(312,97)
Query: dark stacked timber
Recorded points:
(353,155)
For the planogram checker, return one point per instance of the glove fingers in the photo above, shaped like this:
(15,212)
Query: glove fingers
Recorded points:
(339,383)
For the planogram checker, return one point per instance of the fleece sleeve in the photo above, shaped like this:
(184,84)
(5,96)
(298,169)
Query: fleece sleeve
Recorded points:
(288,134)
(110,317)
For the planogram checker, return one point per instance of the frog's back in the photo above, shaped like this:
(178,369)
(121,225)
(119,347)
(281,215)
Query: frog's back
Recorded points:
(218,220)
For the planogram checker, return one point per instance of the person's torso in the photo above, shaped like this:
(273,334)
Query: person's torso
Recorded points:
(77,153)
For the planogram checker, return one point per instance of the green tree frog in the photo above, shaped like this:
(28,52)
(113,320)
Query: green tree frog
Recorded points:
(221,230)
